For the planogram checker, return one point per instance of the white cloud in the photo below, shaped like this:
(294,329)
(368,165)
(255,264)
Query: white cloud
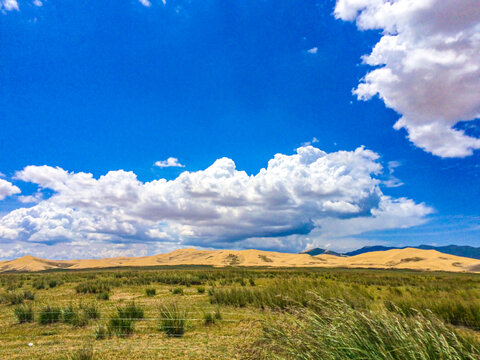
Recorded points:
(170,162)
(313,141)
(37,3)
(146,3)
(309,193)
(427,67)
(392,180)
(313,50)
(28,199)
(8,5)
(7,189)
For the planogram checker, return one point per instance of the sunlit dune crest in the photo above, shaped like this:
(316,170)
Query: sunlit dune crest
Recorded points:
(409,258)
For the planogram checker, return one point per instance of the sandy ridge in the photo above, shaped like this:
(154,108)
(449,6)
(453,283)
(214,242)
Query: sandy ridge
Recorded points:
(409,258)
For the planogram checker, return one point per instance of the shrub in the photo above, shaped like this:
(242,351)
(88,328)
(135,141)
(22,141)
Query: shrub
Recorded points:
(201,290)
(68,314)
(28,295)
(91,311)
(208,318)
(173,320)
(218,314)
(131,311)
(49,315)
(38,284)
(150,292)
(100,332)
(24,314)
(120,326)
(92,287)
(177,291)
(104,295)
(13,298)
(80,320)
(52,283)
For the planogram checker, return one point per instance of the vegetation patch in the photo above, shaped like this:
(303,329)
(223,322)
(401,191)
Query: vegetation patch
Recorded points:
(172,320)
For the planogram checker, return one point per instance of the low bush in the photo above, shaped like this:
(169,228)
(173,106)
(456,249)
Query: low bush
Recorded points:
(177,291)
(68,314)
(100,332)
(92,287)
(173,320)
(201,289)
(104,295)
(131,311)
(150,291)
(49,315)
(119,326)
(91,311)
(24,314)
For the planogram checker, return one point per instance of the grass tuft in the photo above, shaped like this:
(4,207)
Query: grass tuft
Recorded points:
(24,314)
(173,320)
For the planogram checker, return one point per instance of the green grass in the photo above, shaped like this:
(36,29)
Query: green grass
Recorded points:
(173,320)
(24,314)
(49,315)
(177,291)
(241,313)
(150,292)
(332,330)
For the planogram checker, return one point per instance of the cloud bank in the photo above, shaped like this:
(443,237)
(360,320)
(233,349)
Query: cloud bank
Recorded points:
(295,199)
(427,67)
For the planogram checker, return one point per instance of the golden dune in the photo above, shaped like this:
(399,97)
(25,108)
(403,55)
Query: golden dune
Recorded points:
(409,258)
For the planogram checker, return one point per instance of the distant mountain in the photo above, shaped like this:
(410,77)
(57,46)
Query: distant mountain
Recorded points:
(464,251)
(367,249)
(318,251)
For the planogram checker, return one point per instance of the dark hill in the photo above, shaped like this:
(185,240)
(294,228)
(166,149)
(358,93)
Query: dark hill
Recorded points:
(465,251)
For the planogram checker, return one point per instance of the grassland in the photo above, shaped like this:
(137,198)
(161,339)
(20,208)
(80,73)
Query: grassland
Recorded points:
(237,313)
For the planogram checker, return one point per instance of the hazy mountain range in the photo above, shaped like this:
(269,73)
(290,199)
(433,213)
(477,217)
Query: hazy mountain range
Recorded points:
(464,251)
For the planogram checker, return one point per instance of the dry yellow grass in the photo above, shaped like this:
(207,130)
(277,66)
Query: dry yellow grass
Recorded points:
(409,258)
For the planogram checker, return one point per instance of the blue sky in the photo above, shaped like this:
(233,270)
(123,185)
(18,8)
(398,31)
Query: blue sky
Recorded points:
(93,87)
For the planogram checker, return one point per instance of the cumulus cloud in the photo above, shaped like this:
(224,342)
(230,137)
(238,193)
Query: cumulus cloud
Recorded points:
(170,162)
(7,189)
(427,67)
(294,196)
(8,5)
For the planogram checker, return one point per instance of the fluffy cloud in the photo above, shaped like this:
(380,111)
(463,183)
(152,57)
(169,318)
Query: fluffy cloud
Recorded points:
(7,189)
(307,193)
(146,3)
(427,67)
(170,162)
(8,5)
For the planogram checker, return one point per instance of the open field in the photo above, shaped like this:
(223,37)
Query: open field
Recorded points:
(237,313)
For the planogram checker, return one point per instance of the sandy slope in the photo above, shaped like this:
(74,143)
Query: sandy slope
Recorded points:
(408,258)
(394,259)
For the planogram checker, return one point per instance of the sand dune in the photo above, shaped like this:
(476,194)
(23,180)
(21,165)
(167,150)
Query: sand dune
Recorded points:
(392,259)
